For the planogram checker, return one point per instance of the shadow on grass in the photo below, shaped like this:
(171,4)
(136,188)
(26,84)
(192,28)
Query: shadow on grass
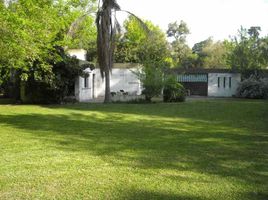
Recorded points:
(227,139)
(235,113)
(145,195)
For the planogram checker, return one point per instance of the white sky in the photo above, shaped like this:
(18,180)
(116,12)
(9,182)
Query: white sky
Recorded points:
(217,18)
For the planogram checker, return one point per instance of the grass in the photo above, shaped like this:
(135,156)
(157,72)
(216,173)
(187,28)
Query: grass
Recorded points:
(194,150)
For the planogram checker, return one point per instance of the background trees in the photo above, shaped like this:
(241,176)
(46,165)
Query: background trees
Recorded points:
(32,34)
(179,47)
(249,50)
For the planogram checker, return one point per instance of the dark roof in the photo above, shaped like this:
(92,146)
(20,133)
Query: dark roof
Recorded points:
(201,71)
(124,65)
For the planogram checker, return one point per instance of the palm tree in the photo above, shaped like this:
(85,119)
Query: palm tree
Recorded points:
(107,27)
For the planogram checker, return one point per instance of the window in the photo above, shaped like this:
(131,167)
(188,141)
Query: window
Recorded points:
(219,82)
(224,82)
(230,82)
(86,81)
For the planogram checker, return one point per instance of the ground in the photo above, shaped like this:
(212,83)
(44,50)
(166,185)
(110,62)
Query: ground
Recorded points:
(206,149)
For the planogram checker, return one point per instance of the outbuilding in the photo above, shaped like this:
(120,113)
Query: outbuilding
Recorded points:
(209,82)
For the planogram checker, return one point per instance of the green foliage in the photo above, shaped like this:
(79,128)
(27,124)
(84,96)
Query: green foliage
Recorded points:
(253,88)
(180,50)
(173,91)
(178,31)
(148,49)
(31,30)
(152,81)
(210,54)
(136,45)
(249,51)
(154,56)
(62,84)
(216,54)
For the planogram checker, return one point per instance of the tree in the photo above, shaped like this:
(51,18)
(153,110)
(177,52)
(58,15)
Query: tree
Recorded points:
(30,34)
(178,31)
(131,45)
(249,51)
(216,54)
(154,56)
(150,50)
(211,54)
(106,38)
(129,42)
(180,49)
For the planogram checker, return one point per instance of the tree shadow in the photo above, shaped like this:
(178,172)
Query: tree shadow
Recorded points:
(180,144)
(243,111)
(145,195)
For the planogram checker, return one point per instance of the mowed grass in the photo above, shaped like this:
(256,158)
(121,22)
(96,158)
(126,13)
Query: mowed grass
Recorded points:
(195,150)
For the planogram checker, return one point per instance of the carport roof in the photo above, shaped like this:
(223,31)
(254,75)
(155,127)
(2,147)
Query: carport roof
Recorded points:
(201,71)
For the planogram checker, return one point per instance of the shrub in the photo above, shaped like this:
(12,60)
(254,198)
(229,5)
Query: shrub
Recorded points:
(253,88)
(152,81)
(173,91)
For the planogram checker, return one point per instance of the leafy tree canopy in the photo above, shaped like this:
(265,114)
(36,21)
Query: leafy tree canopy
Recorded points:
(137,45)
(180,50)
(30,30)
(249,50)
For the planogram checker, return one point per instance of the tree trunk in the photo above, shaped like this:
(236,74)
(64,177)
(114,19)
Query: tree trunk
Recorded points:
(107,98)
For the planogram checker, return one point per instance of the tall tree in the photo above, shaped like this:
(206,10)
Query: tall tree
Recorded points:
(180,49)
(106,41)
(107,27)
(31,32)
(250,50)
(131,45)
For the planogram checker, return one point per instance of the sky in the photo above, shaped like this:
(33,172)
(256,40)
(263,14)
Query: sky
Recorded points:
(219,19)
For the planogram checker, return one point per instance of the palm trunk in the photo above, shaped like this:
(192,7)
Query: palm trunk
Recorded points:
(107,98)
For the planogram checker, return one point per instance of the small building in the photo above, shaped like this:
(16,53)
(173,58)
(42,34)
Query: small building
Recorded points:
(92,85)
(209,82)
(197,81)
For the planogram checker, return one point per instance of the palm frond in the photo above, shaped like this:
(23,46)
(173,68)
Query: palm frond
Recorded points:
(142,24)
(76,23)
(117,25)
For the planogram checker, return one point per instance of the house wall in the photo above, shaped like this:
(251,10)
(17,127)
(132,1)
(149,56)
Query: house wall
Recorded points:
(82,94)
(121,79)
(215,90)
(78,53)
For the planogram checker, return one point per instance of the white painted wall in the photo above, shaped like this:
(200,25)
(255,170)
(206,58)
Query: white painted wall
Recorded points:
(121,79)
(82,94)
(78,53)
(215,91)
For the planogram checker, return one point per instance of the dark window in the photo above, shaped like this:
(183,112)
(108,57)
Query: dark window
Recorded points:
(224,82)
(219,82)
(86,81)
(230,82)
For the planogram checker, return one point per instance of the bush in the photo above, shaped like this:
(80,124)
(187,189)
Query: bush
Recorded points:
(173,91)
(152,81)
(253,88)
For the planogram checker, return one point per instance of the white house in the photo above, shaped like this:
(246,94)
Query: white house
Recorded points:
(123,78)
(201,82)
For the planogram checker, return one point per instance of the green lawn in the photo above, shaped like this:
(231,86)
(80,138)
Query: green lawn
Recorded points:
(194,150)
